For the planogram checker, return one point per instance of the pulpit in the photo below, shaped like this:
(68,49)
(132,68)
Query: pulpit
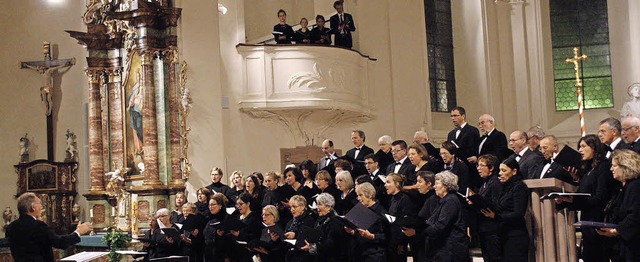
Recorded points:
(553,231)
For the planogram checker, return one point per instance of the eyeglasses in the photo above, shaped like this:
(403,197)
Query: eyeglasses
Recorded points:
(514,140)
(628,128)
(396,151)
(240,204)
(294,207)
(212,205)
(454,115)
(266,214)
(482,165)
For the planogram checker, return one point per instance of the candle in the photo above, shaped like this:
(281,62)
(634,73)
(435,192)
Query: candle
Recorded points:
(113,211)
(91,213)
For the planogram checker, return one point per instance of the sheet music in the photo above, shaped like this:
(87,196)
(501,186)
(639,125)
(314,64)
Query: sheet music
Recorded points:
(85,256)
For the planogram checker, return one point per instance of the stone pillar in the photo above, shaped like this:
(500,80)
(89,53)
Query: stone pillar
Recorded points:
(96,168)
(114,89)
(171,61)
(149,123)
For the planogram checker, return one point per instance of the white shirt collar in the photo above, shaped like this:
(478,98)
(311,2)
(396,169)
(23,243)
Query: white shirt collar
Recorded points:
(615,143)
(463,125)
(521,153)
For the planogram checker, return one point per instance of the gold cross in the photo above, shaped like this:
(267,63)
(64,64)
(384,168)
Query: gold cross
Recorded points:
(576,65)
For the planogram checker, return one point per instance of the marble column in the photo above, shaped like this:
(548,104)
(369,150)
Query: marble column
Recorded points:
(149,123)
(171,61)
(114,89)
(96,168)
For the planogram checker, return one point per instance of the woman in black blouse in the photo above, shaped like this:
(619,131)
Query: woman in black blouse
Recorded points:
(448,152)
(215,244)
(510,211)
(625,165)
(490,191)
(303,35)
(399,206)
(254,188)
(348,198)
(445,233)
(298,207)
(282,32)
(430,200)
(370,243)
(598,181)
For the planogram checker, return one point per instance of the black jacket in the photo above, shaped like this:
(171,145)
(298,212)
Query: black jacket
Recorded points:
(446,231)
(32,240)
(467,141)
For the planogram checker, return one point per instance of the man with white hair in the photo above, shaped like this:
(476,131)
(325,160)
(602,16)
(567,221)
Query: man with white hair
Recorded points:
(384,155)
(631,132)
(609,133)
(492,141)
(421,137)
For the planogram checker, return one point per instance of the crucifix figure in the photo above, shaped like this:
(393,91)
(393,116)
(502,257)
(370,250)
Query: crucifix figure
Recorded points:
(48,68)
(576,66)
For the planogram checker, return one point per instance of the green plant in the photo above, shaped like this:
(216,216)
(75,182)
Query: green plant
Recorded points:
(115,239)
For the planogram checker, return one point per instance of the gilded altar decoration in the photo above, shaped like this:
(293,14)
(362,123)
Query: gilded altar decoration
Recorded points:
(185,109)
(115,185)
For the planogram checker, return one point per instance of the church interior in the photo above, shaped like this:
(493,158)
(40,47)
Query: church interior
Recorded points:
(250,103)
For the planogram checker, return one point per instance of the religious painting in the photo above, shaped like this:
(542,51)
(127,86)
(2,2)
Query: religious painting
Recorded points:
(143,211)
(132,124)
(42,177)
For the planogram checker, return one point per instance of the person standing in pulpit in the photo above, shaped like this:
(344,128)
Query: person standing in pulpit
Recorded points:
(282,32)
(31,239)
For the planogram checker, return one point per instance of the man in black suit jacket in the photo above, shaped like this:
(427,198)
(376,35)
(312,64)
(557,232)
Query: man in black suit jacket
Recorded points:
(609,134)
(550,168)
(330,155)
(492,141)
(358,152)
(527,159)
(464,136)
(402,165)
(31,239)
(342,25)
(631,132)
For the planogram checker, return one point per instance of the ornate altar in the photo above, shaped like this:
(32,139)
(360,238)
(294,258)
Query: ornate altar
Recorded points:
(136,121)
(55,185)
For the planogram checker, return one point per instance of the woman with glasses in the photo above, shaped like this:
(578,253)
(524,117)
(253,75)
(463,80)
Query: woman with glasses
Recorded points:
(216,185)
(490,190)
(250,231)
(271,247)
(298,207)
(167,246)
(215,244)
(326,185)
(332,245)
(448,153)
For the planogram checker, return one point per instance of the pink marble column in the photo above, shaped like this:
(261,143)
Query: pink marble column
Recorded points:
(149,123)
(96,168)
(170,61)
(116,136)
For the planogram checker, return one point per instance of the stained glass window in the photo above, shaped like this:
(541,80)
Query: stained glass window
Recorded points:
(582,24)
(442,82)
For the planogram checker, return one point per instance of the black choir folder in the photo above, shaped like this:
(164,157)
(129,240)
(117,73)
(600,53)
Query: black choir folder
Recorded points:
(359,217)
(478,202)
(594,224)
(171,232)
(569,157)
(554,195)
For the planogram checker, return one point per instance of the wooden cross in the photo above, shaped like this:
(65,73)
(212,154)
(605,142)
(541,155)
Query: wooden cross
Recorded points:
(576,66)
(48,68)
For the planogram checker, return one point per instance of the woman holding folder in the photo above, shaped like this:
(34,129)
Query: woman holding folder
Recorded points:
(490,191)
(371,242)
(332,246)
(625,165)
(597,181)
(509,212)
(214,241)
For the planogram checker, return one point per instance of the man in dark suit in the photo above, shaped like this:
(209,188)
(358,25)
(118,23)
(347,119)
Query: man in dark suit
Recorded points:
(402,163)
(384,156)
(527,159)
(492,141)
(464,136)
(330,155)
(609,134)
(631,132)
(342,25)
(31,239)
(358,152)
(549,168)
(422,138)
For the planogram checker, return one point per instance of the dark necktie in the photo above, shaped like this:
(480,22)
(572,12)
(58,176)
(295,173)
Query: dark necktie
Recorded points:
(447,167)
(398,163)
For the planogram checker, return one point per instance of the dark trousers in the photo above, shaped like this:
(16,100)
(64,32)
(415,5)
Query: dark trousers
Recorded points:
(490,245)
(515,248)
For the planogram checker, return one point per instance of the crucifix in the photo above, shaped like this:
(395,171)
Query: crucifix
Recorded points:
(576,66)
(48,68)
